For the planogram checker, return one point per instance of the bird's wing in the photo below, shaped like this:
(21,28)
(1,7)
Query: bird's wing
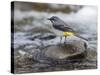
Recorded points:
(65,28)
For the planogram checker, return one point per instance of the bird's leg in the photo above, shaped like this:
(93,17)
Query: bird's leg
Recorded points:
(60,39)
(65,40)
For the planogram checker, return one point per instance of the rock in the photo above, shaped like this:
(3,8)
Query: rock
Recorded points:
(43,36)
(71,49)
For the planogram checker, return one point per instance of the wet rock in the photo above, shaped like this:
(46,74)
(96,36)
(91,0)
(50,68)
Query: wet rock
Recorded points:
(40,57)
(23,59)
(43,36)
(48,37)
(69,49)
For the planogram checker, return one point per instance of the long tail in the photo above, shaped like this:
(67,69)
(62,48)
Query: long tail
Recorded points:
(81,37)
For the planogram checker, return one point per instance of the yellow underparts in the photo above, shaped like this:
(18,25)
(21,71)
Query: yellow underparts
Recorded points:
(68,33)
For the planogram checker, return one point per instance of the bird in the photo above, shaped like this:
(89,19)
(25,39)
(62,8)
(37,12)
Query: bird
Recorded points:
(66,30)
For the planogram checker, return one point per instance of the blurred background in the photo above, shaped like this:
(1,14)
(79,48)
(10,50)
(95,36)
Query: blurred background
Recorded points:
(30,22)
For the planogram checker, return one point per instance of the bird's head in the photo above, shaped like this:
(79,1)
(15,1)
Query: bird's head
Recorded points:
(53,18)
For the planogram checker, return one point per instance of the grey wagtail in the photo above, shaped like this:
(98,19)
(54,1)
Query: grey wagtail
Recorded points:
(63,27)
